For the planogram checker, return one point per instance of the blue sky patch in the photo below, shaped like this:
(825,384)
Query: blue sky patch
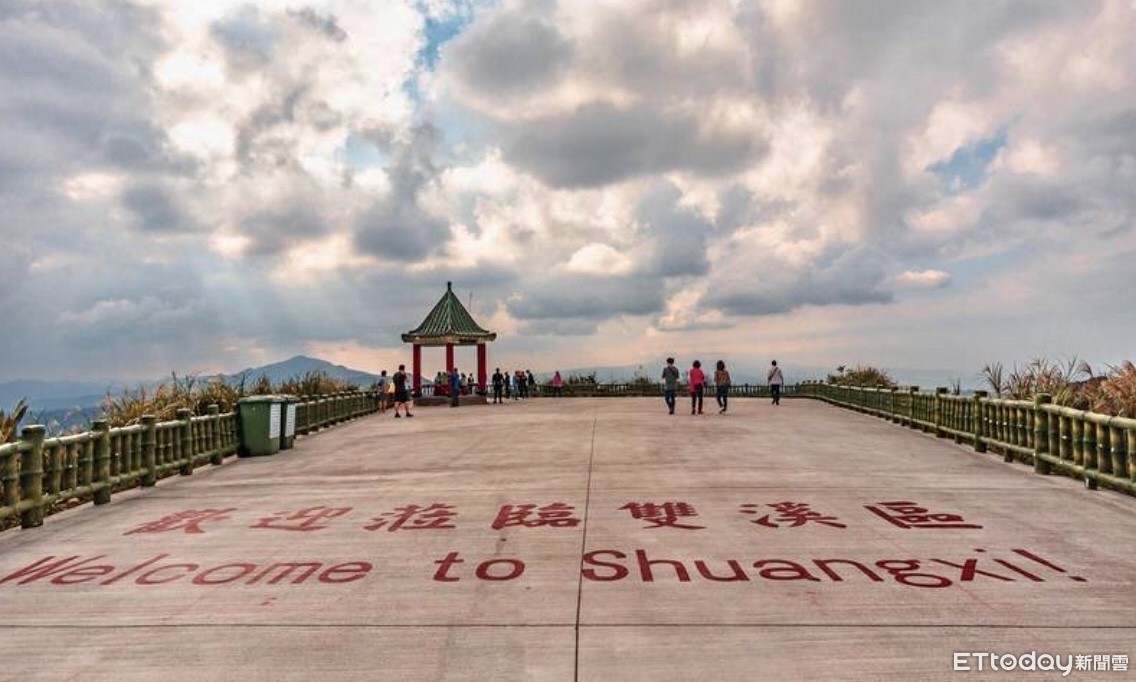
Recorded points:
(439,32)
(360,153)
(967,167)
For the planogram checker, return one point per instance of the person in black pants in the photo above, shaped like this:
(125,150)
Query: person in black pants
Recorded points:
(775,380)
(498,385)
(697,386)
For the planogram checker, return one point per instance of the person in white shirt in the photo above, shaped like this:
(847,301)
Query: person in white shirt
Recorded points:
(776,379)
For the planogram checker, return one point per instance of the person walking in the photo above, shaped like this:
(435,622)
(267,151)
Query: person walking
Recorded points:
(455,387)
(722,386)
(557,384)
(498,385)
(776,379)
(697,387)
(530,383)
(401,392)
(670,384)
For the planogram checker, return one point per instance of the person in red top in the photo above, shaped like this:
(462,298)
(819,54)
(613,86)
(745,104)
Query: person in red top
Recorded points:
(697,385)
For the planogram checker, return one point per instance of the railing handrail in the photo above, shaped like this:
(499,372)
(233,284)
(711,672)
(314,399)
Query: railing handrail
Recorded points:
(1098,448)
(37,472)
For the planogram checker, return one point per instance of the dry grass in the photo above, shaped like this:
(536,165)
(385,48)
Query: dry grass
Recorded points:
(1060,379)
(1070,382)
(861,375)
(10,422)
(1113,393)
(192,393)
(313,383)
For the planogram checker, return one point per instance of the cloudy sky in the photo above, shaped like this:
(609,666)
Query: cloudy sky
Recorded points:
(208,185)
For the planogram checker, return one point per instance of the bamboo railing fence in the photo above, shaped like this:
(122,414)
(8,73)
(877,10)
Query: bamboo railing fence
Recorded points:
(1097,448)
(38,473)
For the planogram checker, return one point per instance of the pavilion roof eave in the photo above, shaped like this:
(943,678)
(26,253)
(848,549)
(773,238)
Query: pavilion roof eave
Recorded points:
(456,339)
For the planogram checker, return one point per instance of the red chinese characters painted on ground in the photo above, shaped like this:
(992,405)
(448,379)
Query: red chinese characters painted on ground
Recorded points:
(303,520)
(790,515)
(556,514)
(434,516)
(910,515)
(189,521)
(670,514)
(665,515)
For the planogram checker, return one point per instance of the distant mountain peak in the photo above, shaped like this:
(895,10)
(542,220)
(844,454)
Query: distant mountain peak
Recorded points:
(299,365)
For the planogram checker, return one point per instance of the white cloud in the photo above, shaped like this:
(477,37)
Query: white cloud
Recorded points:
(649,170)
(952,215)
(1032,158)
(598,259)
(923,279)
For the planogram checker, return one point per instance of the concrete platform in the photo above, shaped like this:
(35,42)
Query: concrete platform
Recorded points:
(769,543)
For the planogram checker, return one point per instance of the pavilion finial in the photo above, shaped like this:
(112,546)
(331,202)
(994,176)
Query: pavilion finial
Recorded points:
(449,286)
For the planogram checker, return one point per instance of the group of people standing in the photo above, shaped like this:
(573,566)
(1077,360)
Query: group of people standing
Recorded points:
(516,385)
(444,382)
(396,390)
(696,381)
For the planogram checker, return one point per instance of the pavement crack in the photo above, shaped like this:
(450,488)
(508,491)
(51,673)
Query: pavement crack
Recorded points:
(584,545)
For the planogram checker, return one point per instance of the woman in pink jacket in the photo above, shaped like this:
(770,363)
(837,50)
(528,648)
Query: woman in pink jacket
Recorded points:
(697,386)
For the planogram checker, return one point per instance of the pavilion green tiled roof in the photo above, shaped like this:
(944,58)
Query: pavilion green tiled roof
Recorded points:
(448,322)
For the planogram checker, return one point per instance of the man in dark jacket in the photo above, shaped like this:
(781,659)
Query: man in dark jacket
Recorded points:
(498,385)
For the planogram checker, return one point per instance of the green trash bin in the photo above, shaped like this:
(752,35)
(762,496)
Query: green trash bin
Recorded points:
(288,413)
(261,420)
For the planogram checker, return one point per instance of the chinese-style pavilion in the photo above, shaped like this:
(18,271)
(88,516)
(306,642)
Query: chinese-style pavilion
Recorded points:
(449,324)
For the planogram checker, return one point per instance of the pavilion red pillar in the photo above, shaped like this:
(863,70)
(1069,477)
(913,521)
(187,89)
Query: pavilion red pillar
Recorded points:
(449,358)
(417,365)
(482,356)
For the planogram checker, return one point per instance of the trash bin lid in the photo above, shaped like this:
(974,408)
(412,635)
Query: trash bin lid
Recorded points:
(262,399)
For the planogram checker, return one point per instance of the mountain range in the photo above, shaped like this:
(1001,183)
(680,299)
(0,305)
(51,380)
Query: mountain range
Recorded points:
(298,366)
(69,395)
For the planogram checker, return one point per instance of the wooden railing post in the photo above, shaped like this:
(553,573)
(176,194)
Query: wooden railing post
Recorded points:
(1089,447)
(188,452)
(10,480)
(937,414)
(1055,445)
(1119,452)
(214,412)
(101,482)
(31,476)
(1130,439)
(1041,432)
(149,451)
(1104,457)
(913,392)
(979,421)
(302,427)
